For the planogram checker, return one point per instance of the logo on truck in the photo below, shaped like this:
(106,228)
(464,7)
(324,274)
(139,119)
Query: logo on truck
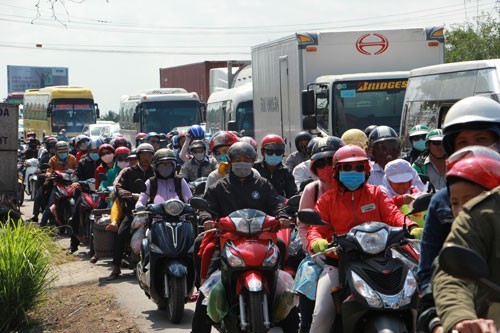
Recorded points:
(379,43)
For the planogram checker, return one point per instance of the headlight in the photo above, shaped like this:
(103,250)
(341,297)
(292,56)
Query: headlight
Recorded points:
(272,258)
(373,242)
(173,207)
(366,291)
(409,289)
(232,259)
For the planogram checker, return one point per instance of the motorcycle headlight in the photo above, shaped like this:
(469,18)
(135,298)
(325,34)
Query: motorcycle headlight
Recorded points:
(272,257)
(366,291)
(233,259)
(372,242)
(173,207)
(409,288)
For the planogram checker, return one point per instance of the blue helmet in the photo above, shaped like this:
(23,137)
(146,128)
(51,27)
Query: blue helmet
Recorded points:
(151,134)
(95,143)
(196,131)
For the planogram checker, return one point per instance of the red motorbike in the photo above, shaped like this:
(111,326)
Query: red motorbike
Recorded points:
(63,200)
(90,201)
(293,252)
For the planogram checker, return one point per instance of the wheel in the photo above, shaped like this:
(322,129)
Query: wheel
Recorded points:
(32,186)
(256,311)
(175,303)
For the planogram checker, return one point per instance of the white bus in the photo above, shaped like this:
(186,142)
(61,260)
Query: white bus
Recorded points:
(433,90)
(231,109)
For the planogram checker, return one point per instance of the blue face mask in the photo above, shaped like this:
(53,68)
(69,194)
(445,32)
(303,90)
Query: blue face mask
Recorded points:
(419,145)
(94,156)
(273,159)
(221,158)
(62,156)
(352,179)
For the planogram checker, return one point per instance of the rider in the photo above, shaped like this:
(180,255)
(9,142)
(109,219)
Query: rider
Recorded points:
(417,137)
(355,137)
(219,145)
(301,141)
(432,162)
(121,162)
(82,145)
(350,202)
(200,164)
(194,133)
(272,148)
(153,139)
(139,137)
(106,153)
(302,173)
(32,150)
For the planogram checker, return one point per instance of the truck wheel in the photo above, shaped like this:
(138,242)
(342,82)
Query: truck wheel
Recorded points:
(175,305)
(256,312)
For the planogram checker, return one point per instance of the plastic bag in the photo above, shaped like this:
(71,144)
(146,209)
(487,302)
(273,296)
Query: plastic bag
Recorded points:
(284,298)
(136,241)
(208,285)
(217,307)
(104,219)
(139,221)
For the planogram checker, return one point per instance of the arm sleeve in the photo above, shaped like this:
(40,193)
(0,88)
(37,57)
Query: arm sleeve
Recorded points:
(390,213)
(186,191)
(323,206)
(183,155)
(290,186)
(119,185)
(144,196)
(184,173)
(306,201)
(213,203)
(78,171)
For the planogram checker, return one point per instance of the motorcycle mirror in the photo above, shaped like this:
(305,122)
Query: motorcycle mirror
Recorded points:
(294,201)
(138,186)
(199,203)
(310,217)
(462,262)
(102,177)
(421,203)
(200,188)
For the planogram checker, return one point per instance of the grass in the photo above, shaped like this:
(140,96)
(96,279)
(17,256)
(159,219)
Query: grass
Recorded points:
(25,271)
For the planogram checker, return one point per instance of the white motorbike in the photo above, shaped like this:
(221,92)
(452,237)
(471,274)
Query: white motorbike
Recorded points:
(30,177)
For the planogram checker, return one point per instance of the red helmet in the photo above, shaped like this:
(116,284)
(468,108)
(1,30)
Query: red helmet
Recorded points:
(104,147)
(120,141)
(480,170)
(122,151)
(350,153)
(250,140)
(272,141)
(140,136)
(222,138)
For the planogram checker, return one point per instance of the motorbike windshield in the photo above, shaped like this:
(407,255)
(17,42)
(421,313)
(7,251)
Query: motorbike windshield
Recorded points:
(248,221)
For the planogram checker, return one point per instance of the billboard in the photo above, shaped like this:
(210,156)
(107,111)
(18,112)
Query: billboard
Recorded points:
(21,78)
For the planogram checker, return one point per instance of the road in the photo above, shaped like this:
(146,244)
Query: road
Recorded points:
(128,293)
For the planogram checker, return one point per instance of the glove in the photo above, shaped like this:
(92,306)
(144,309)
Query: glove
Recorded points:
(417,232)
(223,168)
(319,245)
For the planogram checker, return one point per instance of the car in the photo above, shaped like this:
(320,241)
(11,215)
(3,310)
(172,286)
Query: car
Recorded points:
(105,129)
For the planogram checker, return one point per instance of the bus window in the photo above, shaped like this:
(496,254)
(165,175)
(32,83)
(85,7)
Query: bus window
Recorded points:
(244,118)
(72,115)
(162,116)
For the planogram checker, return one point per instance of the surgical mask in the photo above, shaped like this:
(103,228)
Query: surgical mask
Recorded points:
(326,174)
(273,159)
(108,158)
(165,170)
(199,156)
(62,156)
(241,169)
(122,164)
(221,158)
(94,156)
(419,145)
(352,179)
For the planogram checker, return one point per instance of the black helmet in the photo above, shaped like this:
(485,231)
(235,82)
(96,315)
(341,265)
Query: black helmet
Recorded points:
(239,149)
(311,144)
(369,129)
(164,154)
(198,144)
(382,133)
(326,147)
(302,136)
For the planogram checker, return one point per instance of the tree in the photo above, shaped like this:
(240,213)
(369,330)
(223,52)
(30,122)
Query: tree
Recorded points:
(110,116)
(474,41)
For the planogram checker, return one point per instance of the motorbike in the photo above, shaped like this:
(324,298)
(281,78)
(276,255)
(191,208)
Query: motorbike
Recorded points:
(197,186)
(378,291)
(63,200)
(89,202)
(249,273)
(30,177)
(165,270)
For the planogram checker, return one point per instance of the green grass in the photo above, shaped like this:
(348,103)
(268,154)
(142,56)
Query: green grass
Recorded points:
(25,271)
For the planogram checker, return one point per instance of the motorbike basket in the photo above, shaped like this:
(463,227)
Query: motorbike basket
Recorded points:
(103,240)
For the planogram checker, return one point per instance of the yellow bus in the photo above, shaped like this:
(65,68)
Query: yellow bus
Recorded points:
(49,110)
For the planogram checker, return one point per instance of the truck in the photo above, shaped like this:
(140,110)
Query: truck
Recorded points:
(296,83)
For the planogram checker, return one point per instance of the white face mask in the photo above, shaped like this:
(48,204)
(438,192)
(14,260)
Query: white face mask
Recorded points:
(122,164)
(199,156)
(108,158)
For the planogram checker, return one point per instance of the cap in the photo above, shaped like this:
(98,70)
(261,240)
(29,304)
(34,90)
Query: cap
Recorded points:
(399,171)
(419,130)
(434,135)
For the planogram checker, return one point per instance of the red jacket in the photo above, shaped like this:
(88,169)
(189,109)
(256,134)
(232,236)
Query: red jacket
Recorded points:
(345,210)
(100,169)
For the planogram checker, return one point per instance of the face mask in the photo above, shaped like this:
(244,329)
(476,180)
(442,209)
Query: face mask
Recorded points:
(419,145)
(221,158)
(62,156)
(241,169)
(273,159)
(94,156)
(199,156)
(108,158)
(352,179)
(326,174)
(165,170)
(122,164)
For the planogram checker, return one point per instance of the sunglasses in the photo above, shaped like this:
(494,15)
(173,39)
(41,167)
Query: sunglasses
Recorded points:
(270,152)
(417,137)
(350,167)
(320,164)
(154,141)
(120,159)
(436,143)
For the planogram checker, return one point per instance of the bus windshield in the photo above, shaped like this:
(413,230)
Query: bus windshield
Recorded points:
(72,114)
(359,104)
(163,116)
(244,118)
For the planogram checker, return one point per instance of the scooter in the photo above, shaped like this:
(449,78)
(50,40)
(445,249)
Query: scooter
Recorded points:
(30,176)
(197,186)
(166,270)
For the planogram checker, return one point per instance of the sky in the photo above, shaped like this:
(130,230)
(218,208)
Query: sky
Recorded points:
(116,47)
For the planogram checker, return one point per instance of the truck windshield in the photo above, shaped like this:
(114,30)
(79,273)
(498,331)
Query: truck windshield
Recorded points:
(358,104)
(244,118)
(163,116)
(72,114)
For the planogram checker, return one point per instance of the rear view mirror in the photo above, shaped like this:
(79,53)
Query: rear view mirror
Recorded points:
(97,111)
(199,203)
(462,262)
(308,103)
(421,203)
(294,201)
(309,123)
(136,117)
(310,217)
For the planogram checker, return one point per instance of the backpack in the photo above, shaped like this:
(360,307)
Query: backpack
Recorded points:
(153,189)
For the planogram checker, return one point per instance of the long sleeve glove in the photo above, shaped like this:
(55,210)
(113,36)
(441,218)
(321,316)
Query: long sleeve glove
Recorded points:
(319,245)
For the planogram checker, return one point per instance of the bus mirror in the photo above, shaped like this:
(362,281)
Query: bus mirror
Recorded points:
(136,116)
(232,126)
(309,123)
(49,111)
(308,102)
(97,111)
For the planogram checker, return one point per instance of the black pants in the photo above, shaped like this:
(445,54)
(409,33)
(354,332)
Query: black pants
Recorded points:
(122,239)
(306,307)
(75,222)
(201,321)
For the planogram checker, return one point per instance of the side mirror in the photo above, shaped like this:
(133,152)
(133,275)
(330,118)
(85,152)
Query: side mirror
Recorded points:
(310,217)
(462,262)
(136,117)
(309,123)
(294,201)
(421,203)
(97,111)
(232,126)
(199,203)
(138,186)
(49,110)
(200,188)
(308,103)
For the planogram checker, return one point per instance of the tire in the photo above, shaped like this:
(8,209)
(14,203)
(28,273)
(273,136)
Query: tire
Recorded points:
(32,186)
(175,303)
(256,312)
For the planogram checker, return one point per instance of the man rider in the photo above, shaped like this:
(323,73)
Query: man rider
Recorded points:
(417,137)
(432,163)
(32,150)
(200,164)
(301,154)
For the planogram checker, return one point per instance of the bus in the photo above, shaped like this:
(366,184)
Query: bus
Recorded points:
(231,109)
(158,110)
(433,90)
(49,110)
(15,98)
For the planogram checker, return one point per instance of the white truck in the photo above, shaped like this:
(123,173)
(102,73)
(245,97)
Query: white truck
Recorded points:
(296,82)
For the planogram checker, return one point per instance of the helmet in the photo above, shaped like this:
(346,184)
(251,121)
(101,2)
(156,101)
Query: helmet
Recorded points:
(51,142)
(302,136)
(62,146)
(356,137)
(249,140)
(164,154)
(31,134)
(104,147)
(221,139)
(34,140)
(241,149)
(120,141)
(382,133)
(480,170)
(140,136)
(470,113)
(151,135)
(144,148)
(197,144)
(434,135)
(81,139)
(419,130)
(350,153)
(95,144)
(120,151)
(470,151)
(272,141)
(326,147)
(133,153)
(311,144)
(369,129)
(197,132)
